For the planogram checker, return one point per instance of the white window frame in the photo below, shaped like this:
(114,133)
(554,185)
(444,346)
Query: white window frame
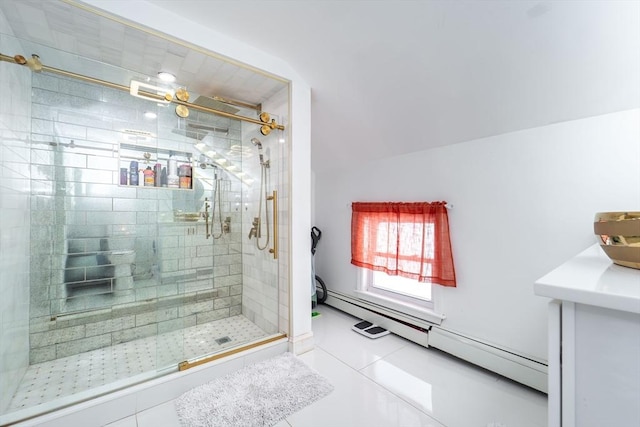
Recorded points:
(403,303)
(369,277)
(415,307)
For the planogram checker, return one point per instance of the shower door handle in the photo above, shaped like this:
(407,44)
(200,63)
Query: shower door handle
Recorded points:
(274,199)
(206,217)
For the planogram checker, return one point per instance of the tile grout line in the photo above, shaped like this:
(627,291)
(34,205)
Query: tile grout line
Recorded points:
(359,371)
(382,357)
(378,384)
(396,395)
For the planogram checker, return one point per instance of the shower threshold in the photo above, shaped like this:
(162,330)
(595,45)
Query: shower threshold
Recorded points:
(133,361)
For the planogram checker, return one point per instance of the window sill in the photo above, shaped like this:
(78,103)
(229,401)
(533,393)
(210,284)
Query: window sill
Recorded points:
(403,307)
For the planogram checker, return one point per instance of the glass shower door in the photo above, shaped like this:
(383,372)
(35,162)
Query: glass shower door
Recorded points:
(199,233)
(186,275)
(218,270)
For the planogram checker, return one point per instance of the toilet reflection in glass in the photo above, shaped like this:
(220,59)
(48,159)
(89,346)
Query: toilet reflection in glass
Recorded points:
(123,262)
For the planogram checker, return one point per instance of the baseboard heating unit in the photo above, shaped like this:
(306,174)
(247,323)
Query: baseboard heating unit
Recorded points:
(522,369)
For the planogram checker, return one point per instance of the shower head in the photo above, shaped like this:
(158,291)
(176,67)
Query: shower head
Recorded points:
(257,142)
(205,164)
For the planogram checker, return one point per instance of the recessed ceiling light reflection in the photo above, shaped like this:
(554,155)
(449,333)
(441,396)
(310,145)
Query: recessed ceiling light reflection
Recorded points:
(166,77)
(281,140)
(150,115)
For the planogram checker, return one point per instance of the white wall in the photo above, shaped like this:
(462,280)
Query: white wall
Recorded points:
(523,204)
(298,133)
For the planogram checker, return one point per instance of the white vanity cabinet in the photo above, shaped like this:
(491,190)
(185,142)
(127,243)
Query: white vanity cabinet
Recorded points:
(594,342)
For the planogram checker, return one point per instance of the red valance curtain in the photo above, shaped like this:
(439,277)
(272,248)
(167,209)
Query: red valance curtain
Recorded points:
(403,239)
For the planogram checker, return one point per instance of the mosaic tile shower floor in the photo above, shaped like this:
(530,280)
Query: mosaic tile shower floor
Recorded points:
(44,382)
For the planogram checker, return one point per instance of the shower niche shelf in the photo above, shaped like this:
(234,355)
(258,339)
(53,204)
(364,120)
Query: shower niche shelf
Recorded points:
(153,167)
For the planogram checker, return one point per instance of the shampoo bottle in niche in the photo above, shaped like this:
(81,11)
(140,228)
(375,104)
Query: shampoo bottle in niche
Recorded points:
(149,180)
(184,175)
(157,175)
(124,176)
(172,177)
(163,177)
(133,173)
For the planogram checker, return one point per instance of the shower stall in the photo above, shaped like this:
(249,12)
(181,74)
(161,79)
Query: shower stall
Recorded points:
(141,229)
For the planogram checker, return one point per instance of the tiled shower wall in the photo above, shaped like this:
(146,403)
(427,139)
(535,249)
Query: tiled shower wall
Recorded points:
(78,207)
(265,298)
(15,109)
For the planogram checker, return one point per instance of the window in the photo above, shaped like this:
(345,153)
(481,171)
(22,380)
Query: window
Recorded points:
(398,286)
(402,249)
(396,292)
(410,240)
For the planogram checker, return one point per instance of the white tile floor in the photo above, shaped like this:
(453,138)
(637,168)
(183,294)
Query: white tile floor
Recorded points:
(60,378)
(391,382)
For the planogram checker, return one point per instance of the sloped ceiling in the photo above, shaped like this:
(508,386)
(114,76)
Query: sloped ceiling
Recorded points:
(394,77)
(389,77)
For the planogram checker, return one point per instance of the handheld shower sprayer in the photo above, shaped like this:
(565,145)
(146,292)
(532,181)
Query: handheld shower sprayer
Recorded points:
(257,143)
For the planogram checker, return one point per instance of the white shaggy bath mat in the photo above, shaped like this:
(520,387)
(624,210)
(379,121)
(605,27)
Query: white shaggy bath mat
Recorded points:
(257,395)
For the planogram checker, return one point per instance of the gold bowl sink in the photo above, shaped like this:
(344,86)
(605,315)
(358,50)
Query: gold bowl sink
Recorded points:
(619,235)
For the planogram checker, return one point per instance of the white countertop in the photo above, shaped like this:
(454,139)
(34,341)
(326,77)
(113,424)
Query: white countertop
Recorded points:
(592,278)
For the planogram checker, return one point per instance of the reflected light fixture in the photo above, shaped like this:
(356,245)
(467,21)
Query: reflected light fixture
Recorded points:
(150,115)
(166,77)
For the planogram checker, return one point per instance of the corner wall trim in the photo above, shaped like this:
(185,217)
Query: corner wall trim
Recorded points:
(301,344)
